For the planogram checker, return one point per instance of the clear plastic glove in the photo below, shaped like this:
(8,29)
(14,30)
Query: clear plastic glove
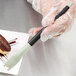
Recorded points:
(49,9)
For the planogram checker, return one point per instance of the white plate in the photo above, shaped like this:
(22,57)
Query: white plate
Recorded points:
(21,41)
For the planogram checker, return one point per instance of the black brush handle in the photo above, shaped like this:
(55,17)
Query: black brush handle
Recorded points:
(37,36)
(65,9)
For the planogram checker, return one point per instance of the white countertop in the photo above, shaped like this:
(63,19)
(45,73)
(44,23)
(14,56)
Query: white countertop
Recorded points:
(56,57)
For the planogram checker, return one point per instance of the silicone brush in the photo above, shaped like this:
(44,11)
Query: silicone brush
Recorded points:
(14,59)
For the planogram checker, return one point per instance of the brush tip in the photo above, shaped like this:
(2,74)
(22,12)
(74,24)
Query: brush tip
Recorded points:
(70,4)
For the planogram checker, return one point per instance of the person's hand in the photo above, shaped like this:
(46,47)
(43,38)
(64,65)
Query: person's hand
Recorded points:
(49,9)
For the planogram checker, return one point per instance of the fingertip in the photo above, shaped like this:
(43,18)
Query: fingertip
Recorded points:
(43,38)
(45,35)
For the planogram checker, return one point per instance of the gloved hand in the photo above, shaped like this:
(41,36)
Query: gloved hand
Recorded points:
(49,9)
